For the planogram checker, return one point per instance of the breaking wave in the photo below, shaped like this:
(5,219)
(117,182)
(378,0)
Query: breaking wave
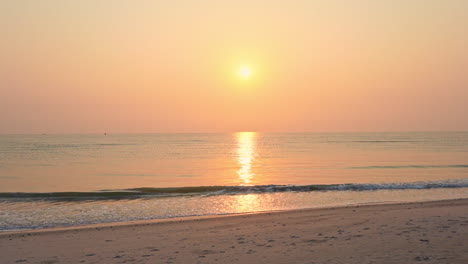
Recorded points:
(149,192)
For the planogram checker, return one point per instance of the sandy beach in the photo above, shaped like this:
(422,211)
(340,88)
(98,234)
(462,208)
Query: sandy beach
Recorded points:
(429,232)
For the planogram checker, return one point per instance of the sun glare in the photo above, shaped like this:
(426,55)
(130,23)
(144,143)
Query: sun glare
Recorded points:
(245,72)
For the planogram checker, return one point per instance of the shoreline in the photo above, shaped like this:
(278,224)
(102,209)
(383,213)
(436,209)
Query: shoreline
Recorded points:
(431,231)
(184,219)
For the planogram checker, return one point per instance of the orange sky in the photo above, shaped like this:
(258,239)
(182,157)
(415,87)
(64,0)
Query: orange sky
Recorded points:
(172,66)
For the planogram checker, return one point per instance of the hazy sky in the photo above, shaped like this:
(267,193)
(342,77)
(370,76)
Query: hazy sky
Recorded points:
(172,66)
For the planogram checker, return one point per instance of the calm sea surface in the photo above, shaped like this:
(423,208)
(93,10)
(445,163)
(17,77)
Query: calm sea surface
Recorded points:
(66,180)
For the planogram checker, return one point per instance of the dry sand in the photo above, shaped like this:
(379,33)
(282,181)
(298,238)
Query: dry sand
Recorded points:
(430,232)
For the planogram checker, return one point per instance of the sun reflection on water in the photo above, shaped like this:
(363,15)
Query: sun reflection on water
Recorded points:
(246,156)
(246,203)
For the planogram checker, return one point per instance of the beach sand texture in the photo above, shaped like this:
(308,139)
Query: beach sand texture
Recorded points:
(429,232)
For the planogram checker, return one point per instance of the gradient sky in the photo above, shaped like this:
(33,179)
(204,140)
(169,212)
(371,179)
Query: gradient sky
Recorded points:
(171,66)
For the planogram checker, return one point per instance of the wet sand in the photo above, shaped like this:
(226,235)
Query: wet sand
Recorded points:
(429,232)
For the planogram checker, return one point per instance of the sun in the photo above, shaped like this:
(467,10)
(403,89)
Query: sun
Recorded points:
(245,72)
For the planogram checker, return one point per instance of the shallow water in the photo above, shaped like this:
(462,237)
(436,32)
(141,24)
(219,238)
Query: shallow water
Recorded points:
(32,214)
(62,180)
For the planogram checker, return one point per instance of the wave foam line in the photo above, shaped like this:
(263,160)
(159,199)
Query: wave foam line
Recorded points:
(148,192)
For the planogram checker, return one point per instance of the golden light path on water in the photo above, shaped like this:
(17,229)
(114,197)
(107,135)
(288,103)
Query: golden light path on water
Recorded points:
(245,156)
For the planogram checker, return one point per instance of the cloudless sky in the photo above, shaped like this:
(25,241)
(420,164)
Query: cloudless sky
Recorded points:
(94,66)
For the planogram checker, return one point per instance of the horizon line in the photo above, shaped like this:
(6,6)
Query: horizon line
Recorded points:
(230,132)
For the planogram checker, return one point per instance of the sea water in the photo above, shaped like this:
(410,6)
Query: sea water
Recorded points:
(68,180)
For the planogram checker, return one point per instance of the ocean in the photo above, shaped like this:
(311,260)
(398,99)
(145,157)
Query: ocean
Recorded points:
(69,180)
